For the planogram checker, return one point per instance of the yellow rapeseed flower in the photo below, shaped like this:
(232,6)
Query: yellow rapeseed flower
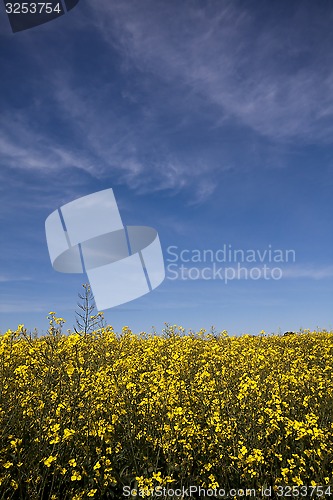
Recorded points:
(49,461)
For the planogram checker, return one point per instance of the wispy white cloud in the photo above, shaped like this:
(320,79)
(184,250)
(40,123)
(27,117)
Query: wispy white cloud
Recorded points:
(129,149)
(273,75)
(316,272)
(109,148)
(216,62)
(23,145)
(11,278)
(20,307)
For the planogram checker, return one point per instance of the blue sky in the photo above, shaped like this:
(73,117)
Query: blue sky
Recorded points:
(211,120)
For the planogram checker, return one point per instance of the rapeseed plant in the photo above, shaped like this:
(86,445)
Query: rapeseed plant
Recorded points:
(82,415)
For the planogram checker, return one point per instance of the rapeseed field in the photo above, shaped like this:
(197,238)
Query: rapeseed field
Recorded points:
(87,415)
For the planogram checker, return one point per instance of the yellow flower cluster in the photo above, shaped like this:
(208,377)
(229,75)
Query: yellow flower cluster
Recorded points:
(82,416)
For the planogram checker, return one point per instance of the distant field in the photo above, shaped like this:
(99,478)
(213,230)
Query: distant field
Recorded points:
(83,416)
